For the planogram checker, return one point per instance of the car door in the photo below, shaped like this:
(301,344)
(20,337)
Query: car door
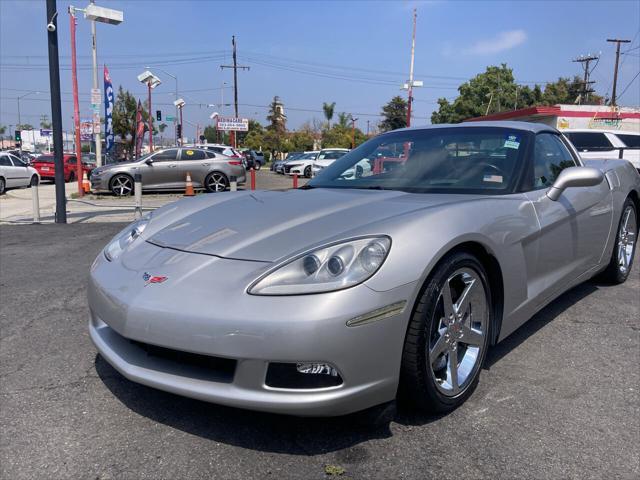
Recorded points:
(20,175)
(7,170)
(163,171)
(196,163)
(574,229)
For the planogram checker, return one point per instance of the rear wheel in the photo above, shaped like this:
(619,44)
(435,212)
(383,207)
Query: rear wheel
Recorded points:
(72,177)
(121,185)
(622,257)
(3,186)
(307,171)
(448,336)
(216,182)
(257,166)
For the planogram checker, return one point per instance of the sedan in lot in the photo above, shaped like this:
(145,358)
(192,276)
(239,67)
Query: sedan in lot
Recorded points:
(363,287)
(15,173)
(167,170)
(45,165)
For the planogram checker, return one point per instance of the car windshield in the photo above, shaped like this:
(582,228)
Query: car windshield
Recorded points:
(439,160)
(45,158)
(308,156)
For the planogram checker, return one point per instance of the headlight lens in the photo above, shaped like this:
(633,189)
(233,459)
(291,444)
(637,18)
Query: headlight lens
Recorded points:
(326,269)
(125,238)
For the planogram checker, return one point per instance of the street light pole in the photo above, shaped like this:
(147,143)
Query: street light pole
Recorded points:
(76,106)
(94,56)
(19,119)
(353,132)
(175,119)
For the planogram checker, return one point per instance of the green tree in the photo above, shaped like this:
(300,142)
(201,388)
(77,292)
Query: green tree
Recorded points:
(328,109)
(24,126)
(301,140)
(344,119)
(3,129)
(567,91)
(255,133)
(394,114)
(275,135)
(124,118)
(212,135)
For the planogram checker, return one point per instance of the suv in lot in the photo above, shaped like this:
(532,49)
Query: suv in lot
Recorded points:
(167,169)
(606,144)
(327,156)
(254,159)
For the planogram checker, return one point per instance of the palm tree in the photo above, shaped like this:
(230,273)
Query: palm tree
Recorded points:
(344,119)
(328,111)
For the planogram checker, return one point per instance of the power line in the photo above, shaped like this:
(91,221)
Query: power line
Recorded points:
(586,83)
(629,84)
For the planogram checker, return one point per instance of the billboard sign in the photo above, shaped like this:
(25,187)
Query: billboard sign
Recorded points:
(227,124)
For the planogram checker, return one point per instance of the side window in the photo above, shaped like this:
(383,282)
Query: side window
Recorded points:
(587,141)
(5,162)
(16,161)
(188,154)
(166,156)
(72,160)
(550,157)
(211,154)
(632,141)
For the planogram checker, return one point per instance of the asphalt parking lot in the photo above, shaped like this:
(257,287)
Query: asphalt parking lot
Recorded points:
(558,399)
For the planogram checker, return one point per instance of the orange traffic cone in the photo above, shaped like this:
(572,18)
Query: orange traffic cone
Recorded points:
(188,191)
(86,185)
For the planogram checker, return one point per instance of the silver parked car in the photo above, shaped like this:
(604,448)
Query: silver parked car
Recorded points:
(167,169)
(396,280)
(15,173)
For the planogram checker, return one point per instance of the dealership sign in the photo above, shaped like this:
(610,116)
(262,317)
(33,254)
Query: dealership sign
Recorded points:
(233,124)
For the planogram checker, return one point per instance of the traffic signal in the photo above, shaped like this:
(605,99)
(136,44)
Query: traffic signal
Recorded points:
(18,136)
(179,131)
(158,115)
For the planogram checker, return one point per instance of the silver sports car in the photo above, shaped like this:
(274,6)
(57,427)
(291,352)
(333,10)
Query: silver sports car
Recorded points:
(394,282)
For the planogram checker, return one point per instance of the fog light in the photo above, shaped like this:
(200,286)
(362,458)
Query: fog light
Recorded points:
(316,369)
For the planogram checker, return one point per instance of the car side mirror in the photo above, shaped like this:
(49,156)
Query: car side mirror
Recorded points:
(149,161)
(574,177)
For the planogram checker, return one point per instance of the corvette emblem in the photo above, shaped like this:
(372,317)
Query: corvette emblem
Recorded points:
(149,279)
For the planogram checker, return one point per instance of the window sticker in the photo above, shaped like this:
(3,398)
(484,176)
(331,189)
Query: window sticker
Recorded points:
(512,141)
(190,152)
(493,178)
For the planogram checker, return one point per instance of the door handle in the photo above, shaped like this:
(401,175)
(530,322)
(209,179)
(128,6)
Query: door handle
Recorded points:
(205,164)
(172,165)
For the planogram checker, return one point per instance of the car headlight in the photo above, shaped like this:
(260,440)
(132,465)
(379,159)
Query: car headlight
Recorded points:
(326,269)
(125,238)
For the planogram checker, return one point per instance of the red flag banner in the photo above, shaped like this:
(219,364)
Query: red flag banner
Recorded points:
(139,130)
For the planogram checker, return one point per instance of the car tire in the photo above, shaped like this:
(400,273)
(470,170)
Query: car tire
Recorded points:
(72,177)
(3,186)
(257,166)
(216,182)
(359,171)
(34,181)
(121,185)
(446,333)
(624,249)
(307,171)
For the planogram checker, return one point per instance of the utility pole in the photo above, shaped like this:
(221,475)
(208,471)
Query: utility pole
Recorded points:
(368,128)
(615,71)
(410,85)
(353,132)
(76,105)
(56,111)
(235,67)
(586,83)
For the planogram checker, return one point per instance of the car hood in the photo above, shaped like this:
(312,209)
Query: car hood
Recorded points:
(270,225)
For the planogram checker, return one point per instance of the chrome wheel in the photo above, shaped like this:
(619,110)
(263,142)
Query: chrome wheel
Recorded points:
(122,185)
(457,340)
(216,182)
(627,238)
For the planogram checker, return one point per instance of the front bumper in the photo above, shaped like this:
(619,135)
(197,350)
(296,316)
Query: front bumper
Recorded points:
(208,312)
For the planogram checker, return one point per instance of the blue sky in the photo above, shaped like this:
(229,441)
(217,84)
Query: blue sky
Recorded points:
(354,53)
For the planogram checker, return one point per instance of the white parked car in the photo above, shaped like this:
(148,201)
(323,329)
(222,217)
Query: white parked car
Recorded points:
(301,165)
(15,173)
(606,144)
(327,156)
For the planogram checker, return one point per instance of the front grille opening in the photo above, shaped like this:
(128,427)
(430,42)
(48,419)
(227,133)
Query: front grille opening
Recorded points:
(201,367)
(286,375)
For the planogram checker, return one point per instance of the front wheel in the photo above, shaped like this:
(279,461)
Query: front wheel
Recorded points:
(72,177)
(34,181)
(216,182)
(307,172)
(622,257)
(3,186)
(121,185)
(257,166)
(448,336)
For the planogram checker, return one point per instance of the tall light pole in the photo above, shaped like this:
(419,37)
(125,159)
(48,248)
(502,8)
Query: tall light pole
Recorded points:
(76,105)
(20,97)
(353,132)
(151,81)
(103,15)
(179,103)
(175,119)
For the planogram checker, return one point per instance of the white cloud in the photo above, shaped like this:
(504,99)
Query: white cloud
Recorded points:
(501,42)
